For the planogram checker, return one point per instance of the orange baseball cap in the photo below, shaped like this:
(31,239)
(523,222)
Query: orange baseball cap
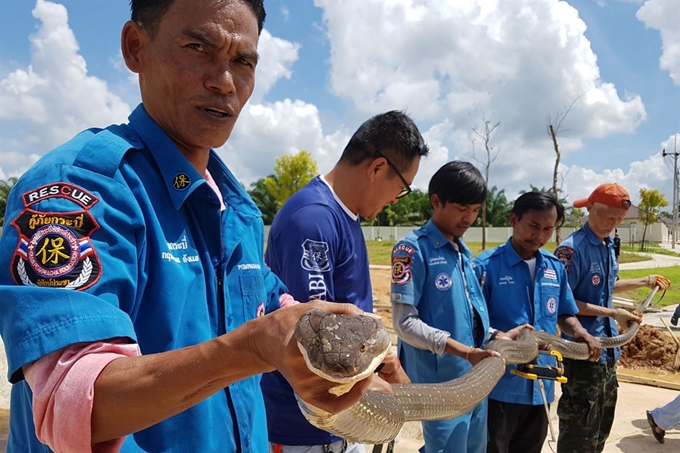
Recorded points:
(610,194)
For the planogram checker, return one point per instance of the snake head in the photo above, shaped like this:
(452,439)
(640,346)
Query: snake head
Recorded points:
(341,348)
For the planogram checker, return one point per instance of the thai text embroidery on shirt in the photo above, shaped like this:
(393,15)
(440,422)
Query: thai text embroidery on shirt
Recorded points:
(506,280)
(183,244)
(437,260)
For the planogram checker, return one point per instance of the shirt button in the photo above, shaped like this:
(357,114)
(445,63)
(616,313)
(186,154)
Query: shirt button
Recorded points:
(215,261)
(230,320)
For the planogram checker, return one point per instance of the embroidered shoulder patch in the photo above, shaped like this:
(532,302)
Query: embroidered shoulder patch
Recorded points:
(55,250)
(564,254)
(315,256)
(401,269)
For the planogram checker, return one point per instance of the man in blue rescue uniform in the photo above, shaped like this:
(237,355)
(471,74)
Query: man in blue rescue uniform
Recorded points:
(316,246)
(588,402)
(524,284)
(134,262)
(438,310)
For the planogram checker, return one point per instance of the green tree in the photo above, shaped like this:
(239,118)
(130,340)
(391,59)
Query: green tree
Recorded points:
(291,173)
(572,217)
(264,200)
(651,202)
(5,187)
(412,210)
(497,208)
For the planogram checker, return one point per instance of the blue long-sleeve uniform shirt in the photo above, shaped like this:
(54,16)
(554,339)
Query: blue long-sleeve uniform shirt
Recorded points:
(427,273)
(115,234)
(513,299)
(592,270)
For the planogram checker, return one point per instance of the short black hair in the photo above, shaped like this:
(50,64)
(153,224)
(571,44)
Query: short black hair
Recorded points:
(392,134)
(148,13)
(458,182)
(538,201)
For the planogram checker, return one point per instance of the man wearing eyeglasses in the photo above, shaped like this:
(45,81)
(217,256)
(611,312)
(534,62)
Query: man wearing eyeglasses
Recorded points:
(586,407)
(317,248)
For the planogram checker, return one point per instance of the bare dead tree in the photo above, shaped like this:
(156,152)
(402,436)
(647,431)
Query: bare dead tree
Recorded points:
(485,136)
(554,129)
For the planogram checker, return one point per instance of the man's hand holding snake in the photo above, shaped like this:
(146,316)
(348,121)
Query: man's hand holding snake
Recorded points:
(594,345)
(274,342)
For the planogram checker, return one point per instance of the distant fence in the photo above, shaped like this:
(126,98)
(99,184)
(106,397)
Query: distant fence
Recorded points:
(628,232)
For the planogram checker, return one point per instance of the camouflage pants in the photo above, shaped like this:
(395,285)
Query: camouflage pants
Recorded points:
(586,408)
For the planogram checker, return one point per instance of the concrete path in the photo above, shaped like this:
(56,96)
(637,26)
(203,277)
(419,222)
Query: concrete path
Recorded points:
(655,260)
(630,433)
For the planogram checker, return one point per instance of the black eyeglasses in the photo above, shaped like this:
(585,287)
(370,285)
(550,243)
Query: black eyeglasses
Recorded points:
(407,187)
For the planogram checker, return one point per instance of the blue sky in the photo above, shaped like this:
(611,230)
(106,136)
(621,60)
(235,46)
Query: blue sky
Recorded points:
(328,65)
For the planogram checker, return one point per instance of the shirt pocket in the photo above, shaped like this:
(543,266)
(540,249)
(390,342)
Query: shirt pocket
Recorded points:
(550,300)
(252,293)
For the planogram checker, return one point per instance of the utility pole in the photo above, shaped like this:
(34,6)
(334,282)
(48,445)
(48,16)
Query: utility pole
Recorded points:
(674,228)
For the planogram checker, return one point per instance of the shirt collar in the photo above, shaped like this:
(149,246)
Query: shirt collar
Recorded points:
(180,177)
(351,215)
(437,239)
(513,257)
(593,238)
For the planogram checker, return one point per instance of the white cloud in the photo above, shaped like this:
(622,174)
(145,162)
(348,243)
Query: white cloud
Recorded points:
(267,131)
(664,15)
(654,172)
(454,64)
(447,64)
(276,59)
(54,97)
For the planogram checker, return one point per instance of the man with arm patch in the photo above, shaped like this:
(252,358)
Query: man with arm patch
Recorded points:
(438,310)
(316,246)
(133,262)
(587,405)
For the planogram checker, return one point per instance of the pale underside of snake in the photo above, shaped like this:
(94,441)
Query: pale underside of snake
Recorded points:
(346,349)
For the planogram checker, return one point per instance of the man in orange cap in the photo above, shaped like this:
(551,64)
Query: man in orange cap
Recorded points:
(586,408)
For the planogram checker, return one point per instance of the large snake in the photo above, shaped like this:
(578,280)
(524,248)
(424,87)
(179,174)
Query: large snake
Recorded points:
(345,349)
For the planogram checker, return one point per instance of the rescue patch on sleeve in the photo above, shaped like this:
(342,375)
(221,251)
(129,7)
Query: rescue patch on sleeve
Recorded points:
(403,248)
(60,190)
(564,254)
(401,269)
(54,248)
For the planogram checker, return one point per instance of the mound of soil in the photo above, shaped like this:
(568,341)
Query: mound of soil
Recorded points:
(650,348)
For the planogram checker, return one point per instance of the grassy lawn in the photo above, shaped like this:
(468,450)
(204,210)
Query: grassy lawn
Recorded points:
(672,294)
(651,248)
(379,253)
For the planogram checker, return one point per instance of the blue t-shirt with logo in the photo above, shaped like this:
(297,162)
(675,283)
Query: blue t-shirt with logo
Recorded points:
(317,248)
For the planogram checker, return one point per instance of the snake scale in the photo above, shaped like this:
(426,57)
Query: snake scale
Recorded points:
(346,349)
